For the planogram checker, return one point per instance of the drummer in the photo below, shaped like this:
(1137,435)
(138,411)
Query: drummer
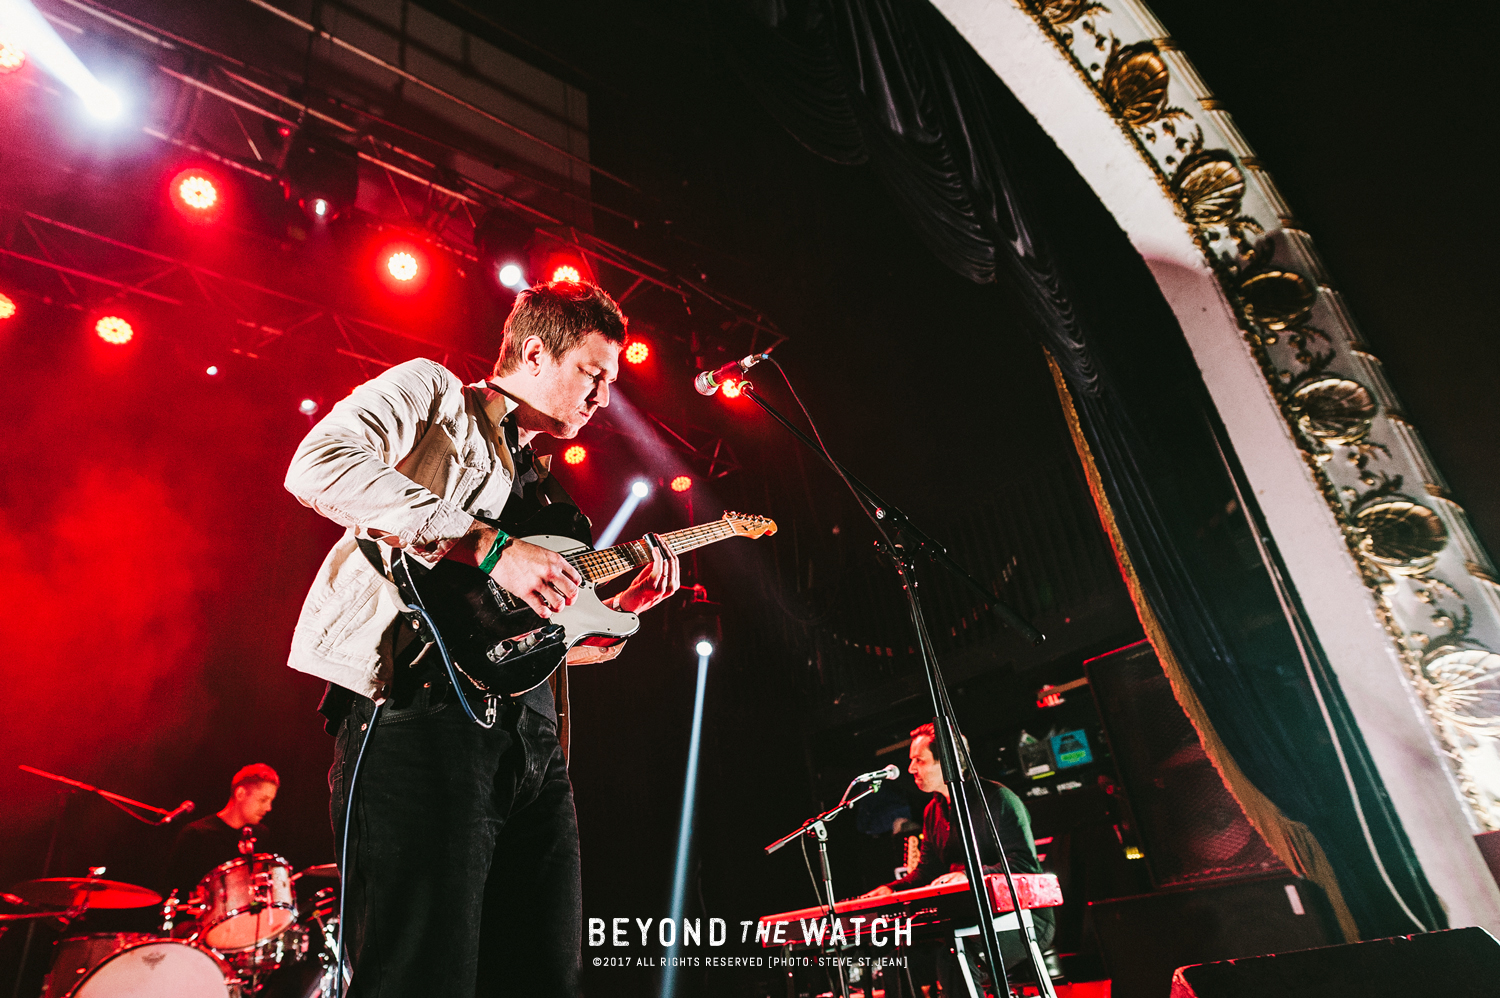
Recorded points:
(233,832)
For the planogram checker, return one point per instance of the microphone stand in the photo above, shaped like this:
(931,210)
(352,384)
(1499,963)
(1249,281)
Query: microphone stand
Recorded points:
(113,798)
(958,768)
(817,827)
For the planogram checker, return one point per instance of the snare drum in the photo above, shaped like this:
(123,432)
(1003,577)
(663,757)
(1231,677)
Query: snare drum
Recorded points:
(141,967)
(249,902)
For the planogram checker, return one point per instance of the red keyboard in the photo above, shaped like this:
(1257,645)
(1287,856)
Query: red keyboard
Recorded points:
(932,910)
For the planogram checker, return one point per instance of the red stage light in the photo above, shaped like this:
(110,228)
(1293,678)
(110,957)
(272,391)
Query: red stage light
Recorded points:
(681,483)
(11,56)
(7,307)
(195,190)
(402,265)
(113,329)
(575,454)
(731,389)
(637,352)
(566,273)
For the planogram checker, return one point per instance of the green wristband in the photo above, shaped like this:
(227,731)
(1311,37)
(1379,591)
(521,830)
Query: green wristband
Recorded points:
(493,558)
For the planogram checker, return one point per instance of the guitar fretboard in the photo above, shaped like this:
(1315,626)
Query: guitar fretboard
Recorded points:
(601,566)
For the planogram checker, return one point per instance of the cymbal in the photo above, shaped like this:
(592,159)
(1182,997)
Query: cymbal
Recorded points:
(325,870)
(65,892)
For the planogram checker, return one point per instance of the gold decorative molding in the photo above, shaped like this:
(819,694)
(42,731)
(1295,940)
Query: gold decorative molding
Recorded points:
(1358,445)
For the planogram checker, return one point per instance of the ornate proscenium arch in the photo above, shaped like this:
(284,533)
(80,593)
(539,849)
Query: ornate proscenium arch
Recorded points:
(1403,597)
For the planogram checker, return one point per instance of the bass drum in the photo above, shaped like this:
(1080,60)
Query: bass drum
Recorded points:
(159,968)
(75,956)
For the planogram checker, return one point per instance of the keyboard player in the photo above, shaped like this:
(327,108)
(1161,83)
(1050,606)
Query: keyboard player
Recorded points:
(942,859)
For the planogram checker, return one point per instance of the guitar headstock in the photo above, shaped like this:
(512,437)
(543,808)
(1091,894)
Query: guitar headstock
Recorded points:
(749,525)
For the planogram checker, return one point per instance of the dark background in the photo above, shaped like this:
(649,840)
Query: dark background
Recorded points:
(154,566)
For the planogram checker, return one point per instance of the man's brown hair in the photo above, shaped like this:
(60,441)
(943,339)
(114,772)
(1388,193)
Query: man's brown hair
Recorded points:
(561,314)
(256,772)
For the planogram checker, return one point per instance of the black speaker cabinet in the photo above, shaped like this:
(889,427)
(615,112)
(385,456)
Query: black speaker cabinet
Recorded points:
(1457,963)
(1143,939)
(1191,828)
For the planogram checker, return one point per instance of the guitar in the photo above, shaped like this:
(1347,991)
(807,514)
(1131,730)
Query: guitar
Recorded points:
(496,641)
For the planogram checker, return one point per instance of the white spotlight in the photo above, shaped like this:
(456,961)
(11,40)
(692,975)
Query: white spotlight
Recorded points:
(309,407)
(213,369)
(510,275)
(640,490)
(103,103)
(705,648)
(320,207)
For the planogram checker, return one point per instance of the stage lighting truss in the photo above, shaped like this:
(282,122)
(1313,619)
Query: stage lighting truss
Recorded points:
(322,140)
(322,174)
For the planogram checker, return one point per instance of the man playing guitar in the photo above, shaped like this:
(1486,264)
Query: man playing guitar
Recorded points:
(462,869)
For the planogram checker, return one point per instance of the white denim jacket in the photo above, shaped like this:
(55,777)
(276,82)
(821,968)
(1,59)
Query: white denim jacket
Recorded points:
(406,459)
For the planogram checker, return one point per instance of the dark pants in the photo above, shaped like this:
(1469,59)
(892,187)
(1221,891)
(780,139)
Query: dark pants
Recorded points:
(464,878)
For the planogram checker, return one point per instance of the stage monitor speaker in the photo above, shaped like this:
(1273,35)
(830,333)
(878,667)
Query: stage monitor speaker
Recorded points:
(1143,939)
(1455,963)
(1191,828)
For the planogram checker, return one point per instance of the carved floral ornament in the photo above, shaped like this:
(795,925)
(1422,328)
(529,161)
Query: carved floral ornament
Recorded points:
(1210,186)
(1135,81)
(1400,535)
(1334,410)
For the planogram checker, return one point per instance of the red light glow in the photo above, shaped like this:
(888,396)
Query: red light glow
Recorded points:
(575,454)
(637,352)
(566,273)
(195,190)
(7,307)
(731,389)
(113,329)
(681,483)
(402,265)
(11,56)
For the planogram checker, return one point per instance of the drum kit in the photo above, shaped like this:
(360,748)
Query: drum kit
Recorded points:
(240,932)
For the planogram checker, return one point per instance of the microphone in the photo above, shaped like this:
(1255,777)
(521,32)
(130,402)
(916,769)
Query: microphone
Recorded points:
(888,773)
(708,382)
(185,807)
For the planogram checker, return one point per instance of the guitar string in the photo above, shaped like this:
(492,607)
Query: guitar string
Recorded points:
(601,565)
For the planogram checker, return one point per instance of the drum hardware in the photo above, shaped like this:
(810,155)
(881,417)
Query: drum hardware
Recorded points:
(247,905)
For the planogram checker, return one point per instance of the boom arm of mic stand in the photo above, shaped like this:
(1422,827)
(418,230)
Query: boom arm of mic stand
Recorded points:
(885,511)
(106,794)
(828,815)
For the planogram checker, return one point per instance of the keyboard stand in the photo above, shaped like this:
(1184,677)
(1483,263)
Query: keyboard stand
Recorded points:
(1003,923)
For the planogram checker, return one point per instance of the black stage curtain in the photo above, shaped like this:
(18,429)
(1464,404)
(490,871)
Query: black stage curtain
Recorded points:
(891,85)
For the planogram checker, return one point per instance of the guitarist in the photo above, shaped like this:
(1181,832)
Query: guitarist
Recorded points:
(462,873)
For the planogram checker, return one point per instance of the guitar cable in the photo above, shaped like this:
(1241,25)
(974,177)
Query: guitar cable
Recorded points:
(437,638)
(338,963)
